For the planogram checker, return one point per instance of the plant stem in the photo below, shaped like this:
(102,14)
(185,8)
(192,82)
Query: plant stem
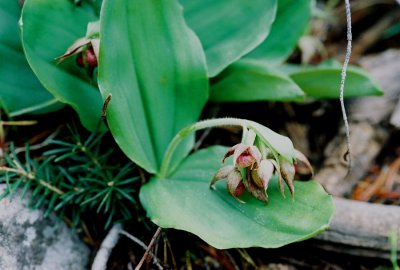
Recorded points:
(32,177)
(342,82)
(193,128)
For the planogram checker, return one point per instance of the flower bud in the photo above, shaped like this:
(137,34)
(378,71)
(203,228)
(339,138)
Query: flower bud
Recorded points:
(91,57)
(265,172)
(245,160)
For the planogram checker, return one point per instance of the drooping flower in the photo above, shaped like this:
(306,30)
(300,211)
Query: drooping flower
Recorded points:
(254,166)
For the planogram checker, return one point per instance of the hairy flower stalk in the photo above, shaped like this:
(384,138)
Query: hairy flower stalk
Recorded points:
(253,167)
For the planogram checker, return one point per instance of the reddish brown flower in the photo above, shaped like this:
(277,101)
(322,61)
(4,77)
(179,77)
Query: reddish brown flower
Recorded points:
(244,155)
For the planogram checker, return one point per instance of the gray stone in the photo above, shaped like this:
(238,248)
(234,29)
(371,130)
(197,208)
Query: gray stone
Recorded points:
(28,241)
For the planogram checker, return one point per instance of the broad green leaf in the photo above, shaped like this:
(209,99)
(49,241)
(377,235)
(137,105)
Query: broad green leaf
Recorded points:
(228,29)
(20,91)
(249,80)
(184,201)
(324,82)
(48,29)
(154,67)
(291,21)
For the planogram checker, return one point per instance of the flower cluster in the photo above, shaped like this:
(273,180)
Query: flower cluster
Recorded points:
(253,167)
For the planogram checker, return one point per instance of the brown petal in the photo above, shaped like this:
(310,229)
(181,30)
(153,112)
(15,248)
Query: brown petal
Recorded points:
(233,184)
(255,153)
(240,150)
(221,174)
(240,189)
(257,192)
(230,152)
(76,47)
(288,172)
(256,179)
(96,46)
(265,172)
(280,180)
(303,166)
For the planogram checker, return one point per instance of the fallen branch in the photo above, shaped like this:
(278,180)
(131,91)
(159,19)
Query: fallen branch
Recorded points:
(361,228)
(102,256)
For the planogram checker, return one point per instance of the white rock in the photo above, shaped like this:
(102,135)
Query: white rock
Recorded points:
(28,241)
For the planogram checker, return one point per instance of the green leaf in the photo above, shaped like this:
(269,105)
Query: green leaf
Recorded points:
(324,82)
(154,67)
(291,21)
(228,29)
(249,80)
(48,29)
(20,91)
(184,201)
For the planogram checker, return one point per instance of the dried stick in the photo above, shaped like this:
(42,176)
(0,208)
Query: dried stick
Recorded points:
(343,79)
(37,146)
(100,261)
(31,176)
(153,240)
(140,243)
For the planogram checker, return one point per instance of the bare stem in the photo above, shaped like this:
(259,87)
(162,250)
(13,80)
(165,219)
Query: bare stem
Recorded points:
(193,128)
(342,82)
(32,177)
(153,240)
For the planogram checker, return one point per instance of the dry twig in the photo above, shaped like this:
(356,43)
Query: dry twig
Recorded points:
(343,79)
(153,240)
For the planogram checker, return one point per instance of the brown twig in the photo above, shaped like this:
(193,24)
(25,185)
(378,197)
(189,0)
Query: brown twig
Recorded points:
(89,238)
(382,185)
(38,146)
(104,109)
(372,189)
(222,257)
(18,123)
(151,244)
(170,251)
(243,253)
(143,245)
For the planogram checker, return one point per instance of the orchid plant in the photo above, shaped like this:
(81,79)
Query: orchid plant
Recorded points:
(156,64)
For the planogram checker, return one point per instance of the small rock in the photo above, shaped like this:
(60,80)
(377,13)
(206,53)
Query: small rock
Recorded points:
(28,241)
